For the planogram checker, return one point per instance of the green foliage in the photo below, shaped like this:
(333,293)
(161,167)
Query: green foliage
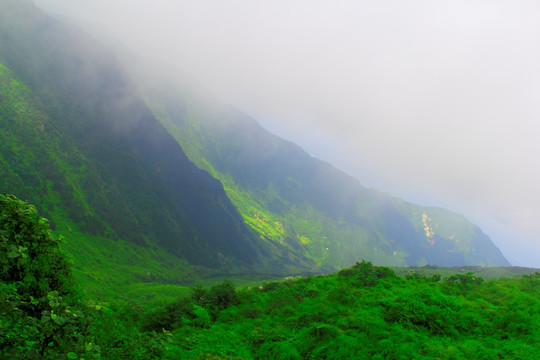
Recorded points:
(40,316)
(221,296)
(366,312)
(467,279)
(199,310)
(31,257)
(484,272)
(366,274)
(116,330)
(171,317)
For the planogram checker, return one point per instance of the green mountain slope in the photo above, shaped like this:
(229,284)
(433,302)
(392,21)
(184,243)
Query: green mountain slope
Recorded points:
(82,142)
(293,199)
(78,140)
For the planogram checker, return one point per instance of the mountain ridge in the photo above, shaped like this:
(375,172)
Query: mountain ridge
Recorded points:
(117,157)
(276,176)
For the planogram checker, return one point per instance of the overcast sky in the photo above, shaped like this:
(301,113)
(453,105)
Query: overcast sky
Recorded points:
(437,102)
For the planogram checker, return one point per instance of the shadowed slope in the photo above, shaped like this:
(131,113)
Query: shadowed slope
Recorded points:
(78,131)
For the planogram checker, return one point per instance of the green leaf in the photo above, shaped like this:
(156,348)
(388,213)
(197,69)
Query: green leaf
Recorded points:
(72,355)
(59,320)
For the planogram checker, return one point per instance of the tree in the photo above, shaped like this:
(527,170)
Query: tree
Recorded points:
(39,315)
(367,274)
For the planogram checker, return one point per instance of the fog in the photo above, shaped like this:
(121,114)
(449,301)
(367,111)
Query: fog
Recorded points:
(436,102)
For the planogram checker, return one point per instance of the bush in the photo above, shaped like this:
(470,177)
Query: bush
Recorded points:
(367,274)
(467,279)
(219,297)
(169,318)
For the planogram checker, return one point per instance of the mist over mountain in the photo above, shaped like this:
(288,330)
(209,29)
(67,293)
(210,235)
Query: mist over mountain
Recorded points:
(125,151)
(294,199)
(78,136)
(142,218)
(434,102)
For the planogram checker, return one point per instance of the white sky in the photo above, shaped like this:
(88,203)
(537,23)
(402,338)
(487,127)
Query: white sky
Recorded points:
(437,102)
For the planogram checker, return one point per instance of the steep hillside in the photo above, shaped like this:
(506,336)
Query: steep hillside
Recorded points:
(78,139)
(293,199)
(86,145)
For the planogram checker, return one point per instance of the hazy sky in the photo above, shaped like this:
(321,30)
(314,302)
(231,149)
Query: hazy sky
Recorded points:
(437,102)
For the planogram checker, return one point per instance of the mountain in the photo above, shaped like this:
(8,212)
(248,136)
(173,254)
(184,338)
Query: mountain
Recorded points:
(77,138)
(127,155)
(293,199)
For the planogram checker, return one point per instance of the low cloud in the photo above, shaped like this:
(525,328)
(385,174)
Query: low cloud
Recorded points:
(436,102)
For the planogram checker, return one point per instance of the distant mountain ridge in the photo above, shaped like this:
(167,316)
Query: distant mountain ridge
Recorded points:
(81,138)
(306,204)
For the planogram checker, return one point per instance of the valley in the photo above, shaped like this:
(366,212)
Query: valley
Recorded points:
(142,218)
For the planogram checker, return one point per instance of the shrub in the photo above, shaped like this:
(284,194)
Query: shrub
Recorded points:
(367,274)
(169,318)
(39,315)
(465,279)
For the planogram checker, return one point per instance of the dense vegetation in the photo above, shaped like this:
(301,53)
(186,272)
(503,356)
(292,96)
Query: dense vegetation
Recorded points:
(42,312)
(363,312)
